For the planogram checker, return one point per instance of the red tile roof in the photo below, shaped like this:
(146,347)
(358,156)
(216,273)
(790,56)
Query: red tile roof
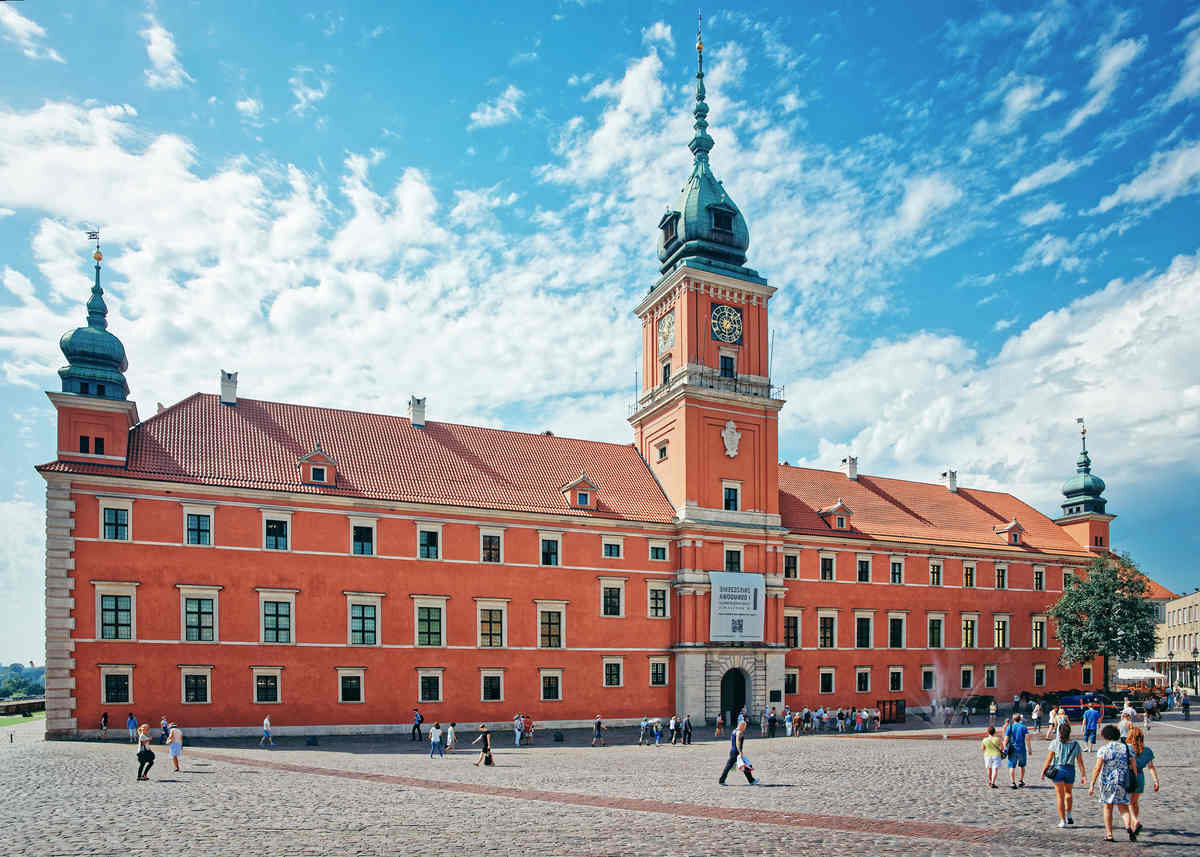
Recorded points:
(257,444)
(897,509)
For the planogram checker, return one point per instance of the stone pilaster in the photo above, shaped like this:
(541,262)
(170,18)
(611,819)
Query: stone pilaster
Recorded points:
(60,603)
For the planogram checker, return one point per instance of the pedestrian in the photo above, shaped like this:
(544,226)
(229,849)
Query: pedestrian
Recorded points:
(451,738)
(1112,762)
(992,757)
(266,736)
(435,741)
(764,721)
(772,723)
(1185,705)
(131,724)
(1059,768)
(737,756)
(673,727)
(1035,717)
(1144,757)
(1016,702)
(878,719)
(598,731)
(841,720)
(1017,743)
(1124,725)
(103,725)
(657,733)
(992,713)
(687,729)
(787,722)
(964,713)
(527,728)
(145,755)
(415,735)
(175,744)
(165,727)
(644,731)
(720,728)
(485,751)
(1147,713)
(518,729)
(1091,722)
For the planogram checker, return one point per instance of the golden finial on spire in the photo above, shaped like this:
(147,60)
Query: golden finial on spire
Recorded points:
(94,235)
(699,41)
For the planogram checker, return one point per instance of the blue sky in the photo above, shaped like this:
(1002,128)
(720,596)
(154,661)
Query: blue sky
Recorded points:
(980,219)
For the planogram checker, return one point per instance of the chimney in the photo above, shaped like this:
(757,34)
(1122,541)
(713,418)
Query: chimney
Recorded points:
(228,388)
(951,477)
(416,411)
(851,465)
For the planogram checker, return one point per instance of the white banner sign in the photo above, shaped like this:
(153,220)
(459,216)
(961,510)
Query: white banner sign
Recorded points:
(738,603)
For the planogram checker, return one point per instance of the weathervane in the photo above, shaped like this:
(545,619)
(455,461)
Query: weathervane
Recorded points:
(94,235)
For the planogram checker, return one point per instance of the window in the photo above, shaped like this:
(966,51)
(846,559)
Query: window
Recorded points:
(989,678)
(733,559)
(318,474)
(195,687)
(862,679)
(489,547)
(840,522)
(935,574)
(612,550)
(612,601)
(658,551)
(862,632)
(583,498)
(895,679)
(85,444)
(199,529)
(116,617)
(668,231)
(897,571)
(1001,577)
(827,568)
(666,373)
(429,686)
(731,498)
(550,628)
(551,685)
(969,625)
(967,678)
(491,627)
(658,672)
(1086,679)
(926,678)
(658,601)
(728,366)
(1039,633)
(116,523)
(790,565)
(276,534)
(791,632)
(722,220)
(98,442)
(550,548)
(350,684)
(363,540)
(896,632)
(935,632)
(791,682)
(492,686)
(1000,634)
(198,624)
(362,625)
(661,451)
(612,672)
(826,632)
(267,685)
(1039,579)
(116,682)
(1068,580)
(277,621)
(968,576)
(428,615)
(1016,539)
(1039,675)
(825,681)
(427,544)
(864,571)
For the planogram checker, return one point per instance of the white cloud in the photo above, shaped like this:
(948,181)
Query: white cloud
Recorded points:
(1170,174)
(1047,175)
(1048,212)
(249,107)
(504,109)
(305,92)
(923,198)
(1019,97)
(659,33)
(1050,251)
(6,212)
(22,613)
(1111,63)
(1188,85)
(1003,324)
(166,71)
(791,102)
(25,34)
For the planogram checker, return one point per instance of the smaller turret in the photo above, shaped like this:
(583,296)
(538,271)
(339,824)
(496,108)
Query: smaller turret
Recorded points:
(1083,515)
(95,358)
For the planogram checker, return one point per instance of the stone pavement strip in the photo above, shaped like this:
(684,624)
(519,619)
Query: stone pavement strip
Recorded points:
(821,795)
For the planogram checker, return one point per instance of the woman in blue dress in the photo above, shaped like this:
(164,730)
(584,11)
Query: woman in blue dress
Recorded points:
(1112,761)
(1144,757)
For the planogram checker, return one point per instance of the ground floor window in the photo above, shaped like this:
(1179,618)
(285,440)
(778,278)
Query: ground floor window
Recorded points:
(825,684)
(1039,675)
(267,687)
(989,678)
(195,687)
(926,679)
(791,682)
(551,686)
(895,679)
(493,687)
(431,688)
(612,673)
(968,678)
(350,685)
(1087,675)
(862,680)
(117,687)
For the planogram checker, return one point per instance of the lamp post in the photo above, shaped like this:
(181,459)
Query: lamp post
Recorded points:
(1170,678)
(1195,668)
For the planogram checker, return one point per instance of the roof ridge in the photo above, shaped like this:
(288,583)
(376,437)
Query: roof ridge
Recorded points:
(862,474)
(168,408)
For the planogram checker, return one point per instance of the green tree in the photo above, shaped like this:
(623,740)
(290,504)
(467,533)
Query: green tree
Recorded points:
(1105,614)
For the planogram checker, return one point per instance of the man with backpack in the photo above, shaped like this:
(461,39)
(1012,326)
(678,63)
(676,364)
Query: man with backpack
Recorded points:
(416,730)
(1017,746)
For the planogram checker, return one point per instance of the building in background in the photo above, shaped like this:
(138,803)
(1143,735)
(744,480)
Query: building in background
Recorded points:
(1177,655)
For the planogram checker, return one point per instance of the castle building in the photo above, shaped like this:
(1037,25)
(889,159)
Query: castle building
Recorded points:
(229,558)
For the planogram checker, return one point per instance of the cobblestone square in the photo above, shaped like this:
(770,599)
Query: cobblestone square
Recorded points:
(887,794)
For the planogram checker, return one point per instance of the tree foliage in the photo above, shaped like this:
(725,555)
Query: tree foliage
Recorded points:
(18,680)
(1105,614)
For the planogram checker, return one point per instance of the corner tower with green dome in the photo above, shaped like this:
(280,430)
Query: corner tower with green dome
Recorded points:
(1084,515)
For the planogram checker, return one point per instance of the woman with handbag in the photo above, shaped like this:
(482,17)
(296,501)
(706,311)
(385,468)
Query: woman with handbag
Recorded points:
(993,755)
(145,755)
(1144,757)
(485,752)
(1116,770)
(1064,755)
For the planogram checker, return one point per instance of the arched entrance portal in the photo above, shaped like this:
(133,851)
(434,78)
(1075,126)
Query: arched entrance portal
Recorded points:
(733,694)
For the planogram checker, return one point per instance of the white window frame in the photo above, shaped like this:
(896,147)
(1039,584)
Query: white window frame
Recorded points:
(488,672)
(117,587)
(373,525)
(481,604)
(794,672)
(962,617)
(352,672)
(823,613)
(619,541)
(583,498)
(1001,569)
(255,672)
(1086,675)
(608,583)
(1033,582)
(662,451)
(862,671)
(546,606)
(277,515)
(741,552)
(736,485)
(188,590)
(728,352)
(665,660)
(115,669)
(439,674)
(969,668)
(941,571)
(892,560)
(783,564)
(864,557)
(660,585)
(658,543)
(197,509)
(431,527)
(903,617)
(186,670)
(1037,667)
(1033,620)
(550,535)
(926,669)
(935,614)
(974,569)
(894,671)
(798,613)
(546,672)
(499,532)
(125,503)
(869,615)
(827,555)
(839,522)
(832,673)
(1008,629)
(374,599)
(994,671)
(438,601)
(267,594)
(615,659)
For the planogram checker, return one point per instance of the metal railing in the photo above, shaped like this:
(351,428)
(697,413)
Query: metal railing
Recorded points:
(709,379)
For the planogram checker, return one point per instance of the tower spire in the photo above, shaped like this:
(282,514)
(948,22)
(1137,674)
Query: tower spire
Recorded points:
(1084,465)
(97,309)
(701,144)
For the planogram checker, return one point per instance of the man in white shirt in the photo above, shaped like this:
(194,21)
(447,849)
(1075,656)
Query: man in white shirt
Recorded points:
(266,738)
(766,716)
(517,728)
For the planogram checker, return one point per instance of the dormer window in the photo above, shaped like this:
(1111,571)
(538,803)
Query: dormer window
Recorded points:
(318,474)
(837,516)
(669,226)
(840,522)
(583,498)
(1016,538)
(669,231)
(317,468)
(722,220)
(581,492)
(1012,531)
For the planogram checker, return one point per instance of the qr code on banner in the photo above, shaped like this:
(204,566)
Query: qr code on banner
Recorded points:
(735,625)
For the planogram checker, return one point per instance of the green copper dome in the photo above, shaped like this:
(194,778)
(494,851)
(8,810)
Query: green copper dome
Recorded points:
(1082,491)
(95,358)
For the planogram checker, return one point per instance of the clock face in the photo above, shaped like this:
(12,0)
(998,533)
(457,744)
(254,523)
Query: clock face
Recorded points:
(727,324)
(666,331)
